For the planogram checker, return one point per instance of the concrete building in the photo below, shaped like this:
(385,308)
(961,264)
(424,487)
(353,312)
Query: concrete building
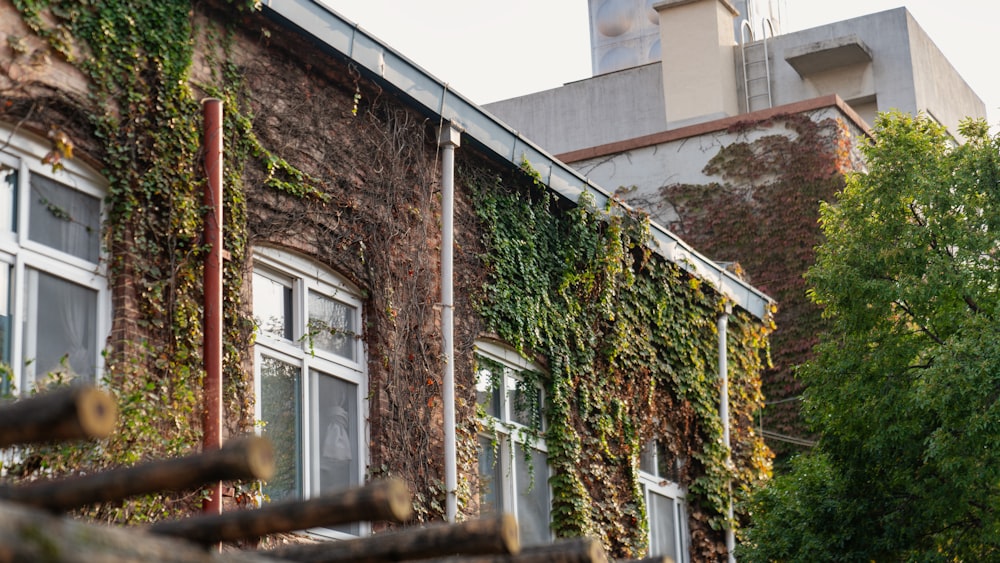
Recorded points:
(668,64)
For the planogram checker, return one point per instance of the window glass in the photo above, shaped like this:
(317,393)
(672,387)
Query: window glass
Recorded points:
(490,478)
(272,306)
(524,403)
(658,471)
(487,394)
(532,496)
(60,327)
(662,526)
(8,199)
(65,219)
(331,325)
(5,328)
(338,432)
(280,384)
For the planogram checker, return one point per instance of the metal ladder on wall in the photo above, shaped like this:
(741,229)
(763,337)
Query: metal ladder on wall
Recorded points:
(756,66)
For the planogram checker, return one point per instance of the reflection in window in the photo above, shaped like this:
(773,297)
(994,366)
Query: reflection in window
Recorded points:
(337,408)
(8,199)
(272,306)
(280,383)
(331,325)
(64,219)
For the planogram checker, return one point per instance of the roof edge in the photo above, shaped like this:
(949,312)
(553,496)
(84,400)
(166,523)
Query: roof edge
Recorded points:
(433,96)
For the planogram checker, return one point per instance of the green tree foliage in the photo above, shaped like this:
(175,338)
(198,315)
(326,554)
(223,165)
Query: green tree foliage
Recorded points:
(904,388)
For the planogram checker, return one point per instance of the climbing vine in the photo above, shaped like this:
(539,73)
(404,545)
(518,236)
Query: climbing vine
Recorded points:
(630,343)
(628,339)
(143,113)
(762,216)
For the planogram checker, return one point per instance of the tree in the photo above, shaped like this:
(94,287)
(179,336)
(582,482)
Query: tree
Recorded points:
(904,387)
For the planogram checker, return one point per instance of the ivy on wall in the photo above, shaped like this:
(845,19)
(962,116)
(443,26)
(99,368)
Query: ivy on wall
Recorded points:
(630,342)
(144,116)
(763,216)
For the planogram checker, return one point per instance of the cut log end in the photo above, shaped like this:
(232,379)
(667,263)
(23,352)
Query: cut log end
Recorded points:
(97,412)
(259,457)
(508,534)
(399,502)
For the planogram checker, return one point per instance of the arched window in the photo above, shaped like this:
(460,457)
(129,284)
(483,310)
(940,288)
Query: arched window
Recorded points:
(309,376)
(513,469)
(54,305)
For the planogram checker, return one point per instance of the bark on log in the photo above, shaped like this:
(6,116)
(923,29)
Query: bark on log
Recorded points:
(32,535)
(576,550)
(67,413)
(379,500)
(243,459)
(488,536)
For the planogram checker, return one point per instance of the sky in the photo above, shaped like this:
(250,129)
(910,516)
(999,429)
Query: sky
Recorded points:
(499,49)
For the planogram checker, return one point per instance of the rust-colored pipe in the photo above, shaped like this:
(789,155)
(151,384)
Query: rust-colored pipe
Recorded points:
(212,413)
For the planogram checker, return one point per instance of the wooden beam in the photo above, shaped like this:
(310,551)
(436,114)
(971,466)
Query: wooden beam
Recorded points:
(31,535)
(476,537)
(387,499)
(73,412)
(244,459)
(575,550)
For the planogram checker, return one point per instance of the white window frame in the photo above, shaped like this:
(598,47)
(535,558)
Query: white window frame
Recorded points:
(305,275)
(654,484)
(24,153)
(505,432)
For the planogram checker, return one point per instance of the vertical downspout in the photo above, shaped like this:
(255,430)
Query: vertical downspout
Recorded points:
(212,414)
(724,415)
(449,138)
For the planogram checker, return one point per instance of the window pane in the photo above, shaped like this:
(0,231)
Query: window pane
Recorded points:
(60,327)
(5,326)
(490,479)
(272,307)
(8,199)
(532,496)
(280,405)
(525,402)
(662,527)
(64,219)
(487,391)
(337,416)
(331,325)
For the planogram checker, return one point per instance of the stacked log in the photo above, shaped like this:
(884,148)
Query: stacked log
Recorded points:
(30,531)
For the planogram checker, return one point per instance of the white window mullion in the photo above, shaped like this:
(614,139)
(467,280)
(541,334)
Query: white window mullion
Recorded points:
(310,421)
(18,306)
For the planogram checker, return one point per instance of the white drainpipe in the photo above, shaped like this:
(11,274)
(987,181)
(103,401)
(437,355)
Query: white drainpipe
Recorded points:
(448,139)
(724,415)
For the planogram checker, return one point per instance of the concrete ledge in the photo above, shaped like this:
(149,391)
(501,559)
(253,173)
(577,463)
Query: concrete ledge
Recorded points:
(826,55)
(831,100)
(665,4)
